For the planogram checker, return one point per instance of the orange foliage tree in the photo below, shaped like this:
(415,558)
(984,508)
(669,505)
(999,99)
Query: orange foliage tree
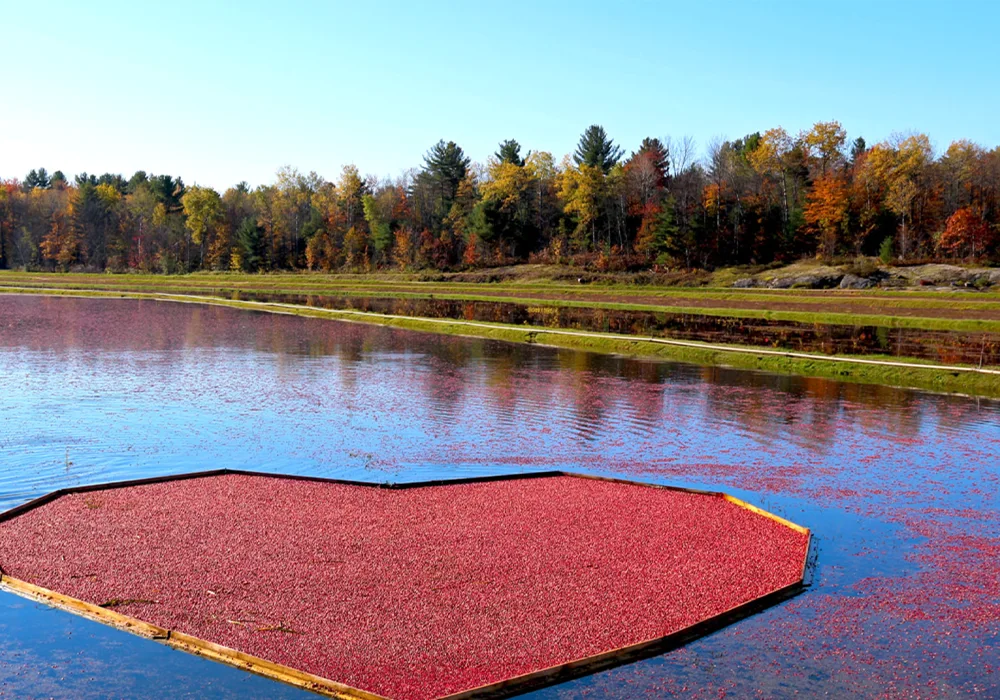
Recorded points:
(966,234)
(826,211)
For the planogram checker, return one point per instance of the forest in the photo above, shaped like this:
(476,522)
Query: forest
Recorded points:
(767,197)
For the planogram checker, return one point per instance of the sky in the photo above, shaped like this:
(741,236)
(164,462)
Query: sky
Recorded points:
(223,92)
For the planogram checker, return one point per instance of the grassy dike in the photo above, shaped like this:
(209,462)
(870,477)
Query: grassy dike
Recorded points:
(892,371)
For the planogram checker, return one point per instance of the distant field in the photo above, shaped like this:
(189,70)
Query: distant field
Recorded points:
(939,310)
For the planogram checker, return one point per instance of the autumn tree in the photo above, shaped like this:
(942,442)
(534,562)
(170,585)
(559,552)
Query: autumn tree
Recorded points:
(351,191)
(966,234)
(203,209)
(826,211)
(964,176)
(62,243)
(659,237)
(463,220)
(722,197)
(646,172)
(771,159)
(545,204)
(582,192)
(824,145)
(145,216)
(8,199)
(290,212)
(508,206)
(96,212)
(899,166)
(386,211)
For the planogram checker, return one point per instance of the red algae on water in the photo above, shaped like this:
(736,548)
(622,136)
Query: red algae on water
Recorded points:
(414,593)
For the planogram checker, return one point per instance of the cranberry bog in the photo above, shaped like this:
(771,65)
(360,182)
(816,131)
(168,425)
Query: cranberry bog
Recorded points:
(483,587)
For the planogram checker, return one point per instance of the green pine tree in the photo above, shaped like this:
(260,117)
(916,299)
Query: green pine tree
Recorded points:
(249,238)
(597,150)
(510,152)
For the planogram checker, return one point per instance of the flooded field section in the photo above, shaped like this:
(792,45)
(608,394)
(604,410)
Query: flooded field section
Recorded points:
(901,489)
(974,348)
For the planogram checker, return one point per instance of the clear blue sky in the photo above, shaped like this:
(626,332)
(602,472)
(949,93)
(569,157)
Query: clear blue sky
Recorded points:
(222,92)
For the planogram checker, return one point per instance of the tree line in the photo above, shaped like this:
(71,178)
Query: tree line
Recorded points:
(766,197)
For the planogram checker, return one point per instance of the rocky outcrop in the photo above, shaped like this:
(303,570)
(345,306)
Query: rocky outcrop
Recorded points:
(807,281)
(934,275)
(855,282)
(872,275)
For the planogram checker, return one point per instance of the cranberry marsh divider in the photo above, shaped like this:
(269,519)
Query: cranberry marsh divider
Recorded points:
(506,688)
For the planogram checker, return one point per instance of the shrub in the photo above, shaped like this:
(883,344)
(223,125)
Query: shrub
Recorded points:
(885,250)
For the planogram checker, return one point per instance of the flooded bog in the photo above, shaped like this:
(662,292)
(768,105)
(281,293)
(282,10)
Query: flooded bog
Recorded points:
(900,489)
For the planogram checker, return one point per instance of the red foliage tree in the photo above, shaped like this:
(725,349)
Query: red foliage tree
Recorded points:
(966,234)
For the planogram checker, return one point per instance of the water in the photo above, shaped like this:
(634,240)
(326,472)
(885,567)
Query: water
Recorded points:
(900,488)
(964,347)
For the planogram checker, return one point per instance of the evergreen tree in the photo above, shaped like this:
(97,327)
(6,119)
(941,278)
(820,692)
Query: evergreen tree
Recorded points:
(510,152)
(445,166)
(36,179)
(858,149)
(115,180)
(249,238)
(138,179)
(597,150)
(168,191)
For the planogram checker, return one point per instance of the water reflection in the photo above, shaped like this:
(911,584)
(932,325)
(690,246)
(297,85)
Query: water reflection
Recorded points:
(942,346)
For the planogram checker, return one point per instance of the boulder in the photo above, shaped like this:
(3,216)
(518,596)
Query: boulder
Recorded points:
(745,283)
(855,282)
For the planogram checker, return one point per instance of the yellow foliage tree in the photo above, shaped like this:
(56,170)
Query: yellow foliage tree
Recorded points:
(581,189)
(898,166)
(825,143)
(770,159)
